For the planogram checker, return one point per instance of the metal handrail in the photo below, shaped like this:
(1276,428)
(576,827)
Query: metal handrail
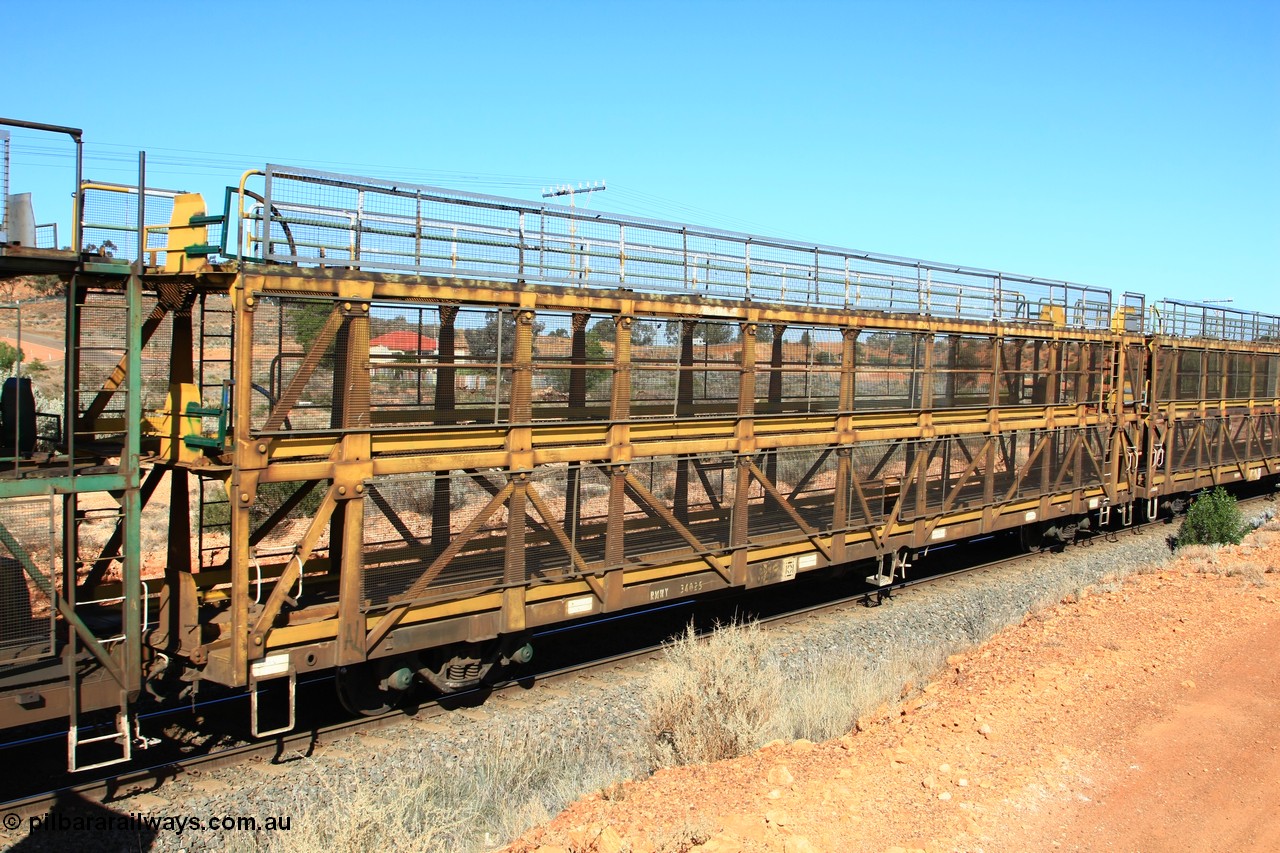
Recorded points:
(387,226)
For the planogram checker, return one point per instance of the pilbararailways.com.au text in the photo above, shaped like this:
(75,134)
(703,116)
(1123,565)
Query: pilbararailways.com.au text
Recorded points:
(139,822)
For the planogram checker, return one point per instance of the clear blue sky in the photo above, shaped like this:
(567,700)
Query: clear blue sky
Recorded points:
(1129,145)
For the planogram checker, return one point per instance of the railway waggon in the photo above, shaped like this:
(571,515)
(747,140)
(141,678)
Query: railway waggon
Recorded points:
(389,431)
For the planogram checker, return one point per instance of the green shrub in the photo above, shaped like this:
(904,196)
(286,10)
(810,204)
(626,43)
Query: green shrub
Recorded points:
(1214,519)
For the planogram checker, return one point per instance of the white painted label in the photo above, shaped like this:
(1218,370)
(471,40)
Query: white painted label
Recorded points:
(1255,473)
(938,533)
(1093,503)
(788,568)
(1031,516)
(581,604)
(808,561)
(271,665)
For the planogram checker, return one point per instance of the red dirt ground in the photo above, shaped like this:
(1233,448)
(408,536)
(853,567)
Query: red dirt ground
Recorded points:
(1143,717)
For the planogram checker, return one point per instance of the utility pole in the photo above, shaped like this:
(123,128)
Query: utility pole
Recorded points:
(570,190)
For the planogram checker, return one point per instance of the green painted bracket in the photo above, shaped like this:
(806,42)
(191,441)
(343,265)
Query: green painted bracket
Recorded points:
(220,412)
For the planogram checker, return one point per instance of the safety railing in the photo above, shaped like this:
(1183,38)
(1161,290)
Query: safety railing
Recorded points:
(314,218)
(1174,318)
(109,221)
(4,186)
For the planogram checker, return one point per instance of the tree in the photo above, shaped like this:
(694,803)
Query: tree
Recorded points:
(483,340)
(606,329)
(1213,519)
(308,320)
(9,356)
(703,333)
(559,379)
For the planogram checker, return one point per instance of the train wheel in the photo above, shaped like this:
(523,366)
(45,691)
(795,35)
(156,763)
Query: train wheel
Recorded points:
(363,689)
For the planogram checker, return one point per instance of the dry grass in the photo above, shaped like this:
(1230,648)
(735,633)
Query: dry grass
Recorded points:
(713,698)
(728,694)
(517,778)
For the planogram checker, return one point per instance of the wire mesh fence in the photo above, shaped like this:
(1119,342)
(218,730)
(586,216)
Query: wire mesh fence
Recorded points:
(29,567)
(316,218)
(110,221)
(4,186)
(1214,322)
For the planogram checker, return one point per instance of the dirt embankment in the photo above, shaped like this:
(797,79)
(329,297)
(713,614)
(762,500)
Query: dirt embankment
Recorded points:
(1140,717)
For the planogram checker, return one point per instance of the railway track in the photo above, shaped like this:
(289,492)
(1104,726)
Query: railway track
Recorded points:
(305,741)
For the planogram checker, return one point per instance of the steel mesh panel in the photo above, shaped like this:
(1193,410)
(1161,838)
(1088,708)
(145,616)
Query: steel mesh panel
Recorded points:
(655,357)
(405,521)
(280,540)
(1268,437)
(1185,446)
(214,524)
(1214,322)
(962,371)
(1095,449)
(584,382)
(1080,372)
(879,468)
(103,323)
(47,236)
(948,461)
(1238,438)
(587,509)
(1239,375)
(889,369)
(285,331)
(1032,475)
(1213,375)
(807,479)
(1025,366)
(4,186)
(155,359)
(318,218)
(26,610)
(110,221)
(486,346)
(1166,374)
(404,358)
(99,514)
(215,340)
(1190,368)
(1267,382)
(675,482)
(810,370)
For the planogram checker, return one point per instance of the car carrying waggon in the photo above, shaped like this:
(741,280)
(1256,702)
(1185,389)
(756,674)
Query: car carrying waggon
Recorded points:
(391,430)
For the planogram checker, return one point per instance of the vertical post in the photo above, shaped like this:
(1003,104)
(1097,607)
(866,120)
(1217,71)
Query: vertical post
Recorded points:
(774,401)
(348,517)
(844,431)
(131,571)
(243,304)
(684,409)
(619,441)
(577,402)
(178,552)
(445,398)
(519,447)
(746,444)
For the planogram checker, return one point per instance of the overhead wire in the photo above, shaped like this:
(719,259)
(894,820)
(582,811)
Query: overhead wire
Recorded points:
(111,158)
